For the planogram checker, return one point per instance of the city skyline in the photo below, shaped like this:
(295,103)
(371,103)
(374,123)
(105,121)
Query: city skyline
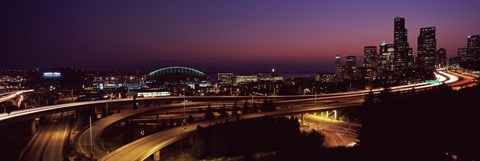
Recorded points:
(219,36)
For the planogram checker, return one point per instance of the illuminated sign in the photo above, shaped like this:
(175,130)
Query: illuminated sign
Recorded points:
(52,74)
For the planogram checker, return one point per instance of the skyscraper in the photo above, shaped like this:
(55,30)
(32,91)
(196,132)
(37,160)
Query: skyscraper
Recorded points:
(351,68)
(370,62)
(463,54)
(351,62)
(473,41)
(337,61)
(427,46)
(386,57)
(473,45)
(472,51)
(339,72)
(402,58)
(370,57)
(441,58)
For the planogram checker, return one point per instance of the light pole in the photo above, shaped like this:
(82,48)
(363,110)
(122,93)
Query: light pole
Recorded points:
(91,137)
(335,114)
(184,102)
(252,99)
(181,145)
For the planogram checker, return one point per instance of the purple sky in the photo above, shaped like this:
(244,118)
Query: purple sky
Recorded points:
(223,35)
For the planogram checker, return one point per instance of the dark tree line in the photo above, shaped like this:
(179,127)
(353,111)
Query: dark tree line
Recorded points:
(420,125)
(247,137)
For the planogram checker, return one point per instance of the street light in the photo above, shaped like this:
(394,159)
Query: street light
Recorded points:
(181,145)
(184,102)
(335,114)
(252,99)
(91,137)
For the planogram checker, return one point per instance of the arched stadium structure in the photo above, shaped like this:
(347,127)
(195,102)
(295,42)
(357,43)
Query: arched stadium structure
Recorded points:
(177,74)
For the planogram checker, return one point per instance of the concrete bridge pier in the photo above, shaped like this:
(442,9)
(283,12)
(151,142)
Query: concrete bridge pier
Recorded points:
(156,156)
(301,119)
(33,126)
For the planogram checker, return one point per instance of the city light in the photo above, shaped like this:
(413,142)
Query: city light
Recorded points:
(269,80)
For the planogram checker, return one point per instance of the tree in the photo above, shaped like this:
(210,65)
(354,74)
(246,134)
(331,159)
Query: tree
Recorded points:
(164,125)
(190,119)
(171,122)
(246,108)
(8,108)
(264,107)
(370,98)
(271,105)
(235,109)
(199,147)
(313,139)
(135,103)
(255,108)
(385,95)
(268,105)
(208,113)
(147,103)
(223,112)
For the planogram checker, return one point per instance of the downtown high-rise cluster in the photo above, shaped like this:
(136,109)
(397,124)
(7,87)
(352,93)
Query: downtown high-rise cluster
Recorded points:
(395,62)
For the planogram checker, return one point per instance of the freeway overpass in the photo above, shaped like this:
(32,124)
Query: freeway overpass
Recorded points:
(10,95)
(151,145)
(84,146)
(32,113)
(29,113)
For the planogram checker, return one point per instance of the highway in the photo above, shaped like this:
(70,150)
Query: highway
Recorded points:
(145,147)
(50,141)
(10,95)
(104,123)
(337,133)
(298,99)
(466,79)
(40,111)
(83,144)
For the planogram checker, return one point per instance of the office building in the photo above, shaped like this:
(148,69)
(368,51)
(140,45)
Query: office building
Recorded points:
(402,58)
(473,45)
(386,57)
(427,46)
(441,58)
(225,79)
(370,57)
(351,62)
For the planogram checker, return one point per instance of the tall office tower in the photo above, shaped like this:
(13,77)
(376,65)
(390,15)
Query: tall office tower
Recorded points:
(337,61)
(351,68)
(351,62)
(402,59)
(473,45)
(441,58)
(339,72)
(370,62)
(427,46)
(473,41)
(386,56)
(370,57)
(463,54)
